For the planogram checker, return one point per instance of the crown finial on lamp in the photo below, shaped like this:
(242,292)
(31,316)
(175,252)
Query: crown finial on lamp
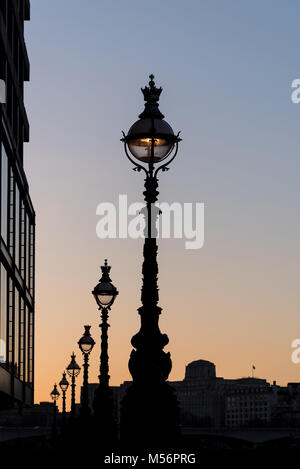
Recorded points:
(105,272)
(151,96)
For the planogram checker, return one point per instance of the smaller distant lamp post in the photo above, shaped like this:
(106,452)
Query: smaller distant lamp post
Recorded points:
(86,345)
(64,384)
(73,370)
(105,293)
(54,396)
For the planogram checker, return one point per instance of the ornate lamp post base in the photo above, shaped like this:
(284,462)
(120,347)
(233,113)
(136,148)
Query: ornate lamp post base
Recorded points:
(104,415)
(157,406)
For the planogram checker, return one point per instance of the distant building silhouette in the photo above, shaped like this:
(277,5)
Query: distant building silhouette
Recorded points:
(17,217)
(212,402)
(201,395)
(286,409)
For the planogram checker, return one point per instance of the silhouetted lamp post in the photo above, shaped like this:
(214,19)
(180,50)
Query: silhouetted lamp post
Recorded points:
(105,293)
(150,402)
(64,384)
(73,370)
(86,344)
(54,396)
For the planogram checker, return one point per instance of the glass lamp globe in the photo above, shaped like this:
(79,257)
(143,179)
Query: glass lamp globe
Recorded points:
(149,134)
(105,292)
(54,393)
(86,343)
(64,384)
(73,369)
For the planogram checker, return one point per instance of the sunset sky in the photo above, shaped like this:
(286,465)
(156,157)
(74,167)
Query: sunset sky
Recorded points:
(226,69)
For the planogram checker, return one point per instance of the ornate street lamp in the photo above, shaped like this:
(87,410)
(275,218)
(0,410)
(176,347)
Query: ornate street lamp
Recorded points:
(73,370)
(105,293)
(86,344)
(54,396)
(64,384)
(149,408)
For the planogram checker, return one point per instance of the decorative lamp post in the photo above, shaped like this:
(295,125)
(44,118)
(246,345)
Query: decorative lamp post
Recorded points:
(105,293)
(73,370)
(54,396)
(64,384)
(86,344)
(149,408)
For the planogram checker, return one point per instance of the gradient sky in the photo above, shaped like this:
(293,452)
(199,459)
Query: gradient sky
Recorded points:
(226,68)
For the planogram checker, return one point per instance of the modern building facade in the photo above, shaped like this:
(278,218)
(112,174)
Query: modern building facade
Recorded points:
(17,216)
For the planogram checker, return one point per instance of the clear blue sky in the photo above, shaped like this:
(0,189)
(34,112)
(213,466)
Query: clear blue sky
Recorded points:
(226,68)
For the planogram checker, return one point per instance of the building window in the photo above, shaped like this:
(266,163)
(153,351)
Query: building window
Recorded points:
(30,347)
(17,334)
(31,260)
(26,342)
(27,251)
(22,339)
(22,241)
(17,237)
(3,315)
(4,194)
(11,213)
(10,324)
